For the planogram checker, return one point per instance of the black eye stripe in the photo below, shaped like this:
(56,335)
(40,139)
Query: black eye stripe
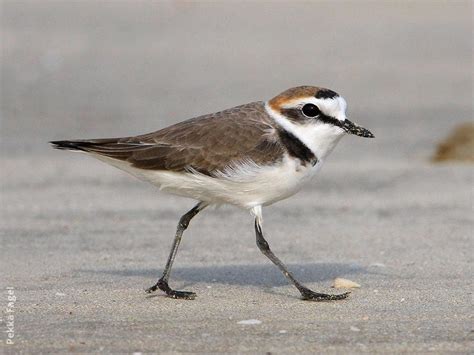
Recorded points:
(296,115)
(330,120)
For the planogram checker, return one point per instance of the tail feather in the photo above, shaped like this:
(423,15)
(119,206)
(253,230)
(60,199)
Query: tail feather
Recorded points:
(111,147)
(68,145)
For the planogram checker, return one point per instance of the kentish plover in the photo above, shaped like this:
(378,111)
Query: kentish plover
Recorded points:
(249,156)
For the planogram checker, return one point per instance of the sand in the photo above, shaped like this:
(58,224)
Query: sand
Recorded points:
(80,241)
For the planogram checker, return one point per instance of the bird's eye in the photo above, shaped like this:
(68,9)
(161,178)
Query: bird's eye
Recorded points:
(310,110)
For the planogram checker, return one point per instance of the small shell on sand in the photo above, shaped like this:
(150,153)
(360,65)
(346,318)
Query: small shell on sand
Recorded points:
(344,283)
(250,322)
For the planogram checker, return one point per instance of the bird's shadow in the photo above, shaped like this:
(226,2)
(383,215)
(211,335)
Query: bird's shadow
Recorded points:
(251,275)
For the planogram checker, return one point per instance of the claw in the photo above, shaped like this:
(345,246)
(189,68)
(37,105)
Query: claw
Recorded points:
(314,296)
(184,295)
(163,286)
(151,289)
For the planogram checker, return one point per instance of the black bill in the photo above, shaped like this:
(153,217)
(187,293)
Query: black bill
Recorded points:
(352,128)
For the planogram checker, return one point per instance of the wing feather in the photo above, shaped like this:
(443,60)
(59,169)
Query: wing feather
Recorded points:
(206,144)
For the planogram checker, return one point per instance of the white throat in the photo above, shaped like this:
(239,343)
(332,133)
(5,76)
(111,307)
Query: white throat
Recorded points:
(320,138)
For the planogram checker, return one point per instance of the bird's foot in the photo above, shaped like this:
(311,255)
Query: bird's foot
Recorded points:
(163,286)
(309,295)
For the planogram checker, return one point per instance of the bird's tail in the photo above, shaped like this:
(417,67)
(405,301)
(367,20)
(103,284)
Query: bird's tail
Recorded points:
(117,148)
(71,145)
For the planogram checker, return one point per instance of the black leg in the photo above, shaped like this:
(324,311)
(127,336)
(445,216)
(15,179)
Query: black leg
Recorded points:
(162,283)
(306,293)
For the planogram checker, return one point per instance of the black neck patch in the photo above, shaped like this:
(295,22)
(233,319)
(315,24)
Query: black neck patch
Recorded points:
(326,94)
(296,148)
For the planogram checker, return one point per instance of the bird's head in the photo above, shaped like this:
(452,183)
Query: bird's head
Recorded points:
(310,105)
(315,115)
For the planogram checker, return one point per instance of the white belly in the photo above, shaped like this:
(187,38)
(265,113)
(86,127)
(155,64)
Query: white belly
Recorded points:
(246,185)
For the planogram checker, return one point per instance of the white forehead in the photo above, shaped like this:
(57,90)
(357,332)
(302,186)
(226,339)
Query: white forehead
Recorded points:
(333,107)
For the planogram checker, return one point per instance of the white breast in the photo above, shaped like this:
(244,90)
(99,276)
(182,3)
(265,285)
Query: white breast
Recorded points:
(246,185)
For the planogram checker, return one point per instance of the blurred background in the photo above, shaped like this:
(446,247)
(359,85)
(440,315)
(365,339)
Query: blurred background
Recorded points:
(81,240)
(114,68)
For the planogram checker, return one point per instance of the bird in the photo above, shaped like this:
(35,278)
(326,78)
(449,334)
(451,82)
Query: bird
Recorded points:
(249,156)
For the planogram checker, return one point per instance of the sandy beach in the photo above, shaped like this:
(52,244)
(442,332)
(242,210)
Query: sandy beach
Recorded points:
(80,240)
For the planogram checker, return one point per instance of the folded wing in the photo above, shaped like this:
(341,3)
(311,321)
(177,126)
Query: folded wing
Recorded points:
(207,144)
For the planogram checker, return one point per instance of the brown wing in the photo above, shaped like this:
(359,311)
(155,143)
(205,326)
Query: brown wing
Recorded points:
(206,144)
